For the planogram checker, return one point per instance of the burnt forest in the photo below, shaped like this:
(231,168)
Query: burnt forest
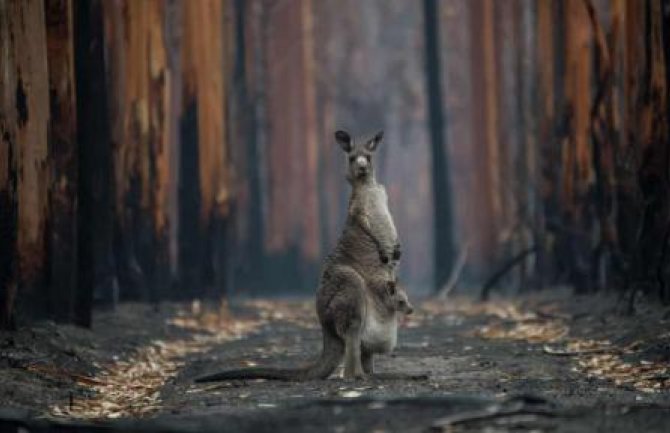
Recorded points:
(334,216)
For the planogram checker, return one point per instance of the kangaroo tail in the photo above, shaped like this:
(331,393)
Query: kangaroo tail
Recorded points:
(331,355)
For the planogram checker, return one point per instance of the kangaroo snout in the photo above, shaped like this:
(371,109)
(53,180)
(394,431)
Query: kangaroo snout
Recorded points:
(361,165)
(361,162)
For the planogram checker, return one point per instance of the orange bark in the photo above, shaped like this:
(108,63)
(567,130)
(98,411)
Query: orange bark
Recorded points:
(30,85)
(310,238)
(140,83)
(484,138)
(293,155)
(24,165)
(206,65)
(577,154)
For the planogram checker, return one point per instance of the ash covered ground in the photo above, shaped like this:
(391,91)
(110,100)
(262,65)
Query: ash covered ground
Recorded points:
(551,362)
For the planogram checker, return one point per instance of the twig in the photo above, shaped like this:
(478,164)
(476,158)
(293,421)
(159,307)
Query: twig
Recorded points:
(558,352)
(401,376)
(628,348)
(493,280)
(455,273)
(58,374)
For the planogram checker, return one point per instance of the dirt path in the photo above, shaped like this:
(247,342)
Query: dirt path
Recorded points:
(576,365)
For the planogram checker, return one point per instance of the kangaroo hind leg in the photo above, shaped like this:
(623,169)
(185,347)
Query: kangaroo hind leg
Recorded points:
(367,362)
(353,368)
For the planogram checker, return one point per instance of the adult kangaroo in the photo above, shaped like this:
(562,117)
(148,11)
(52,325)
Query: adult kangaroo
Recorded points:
(358,301)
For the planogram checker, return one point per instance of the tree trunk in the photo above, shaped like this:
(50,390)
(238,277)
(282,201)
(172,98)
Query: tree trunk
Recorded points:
(63,157)
(95,190)
(205,156)
(24,170)
(442,214)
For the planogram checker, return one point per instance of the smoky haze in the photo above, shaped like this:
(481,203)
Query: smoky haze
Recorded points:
(190,152)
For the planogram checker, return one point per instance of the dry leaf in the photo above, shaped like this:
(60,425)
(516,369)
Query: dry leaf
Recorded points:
(131,387)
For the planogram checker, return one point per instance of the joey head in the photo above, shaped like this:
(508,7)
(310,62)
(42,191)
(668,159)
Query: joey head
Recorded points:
(398,298)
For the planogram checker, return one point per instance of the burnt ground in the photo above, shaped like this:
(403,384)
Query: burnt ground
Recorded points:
(546,363)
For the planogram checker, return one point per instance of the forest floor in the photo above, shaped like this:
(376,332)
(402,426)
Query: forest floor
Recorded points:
(549,362)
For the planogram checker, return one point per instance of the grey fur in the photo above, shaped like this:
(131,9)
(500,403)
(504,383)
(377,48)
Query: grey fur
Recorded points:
(358,300)
(368,204)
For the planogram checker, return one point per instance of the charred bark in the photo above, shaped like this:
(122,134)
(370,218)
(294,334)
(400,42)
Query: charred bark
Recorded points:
(62,272)
(442,215)
(24,170)
(96,274)
(8,177)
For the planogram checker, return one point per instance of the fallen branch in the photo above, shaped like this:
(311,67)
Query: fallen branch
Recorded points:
(493,280)
(455,273)
(53,372)
(401,376)
(511,407)
(558,352)
(604,348)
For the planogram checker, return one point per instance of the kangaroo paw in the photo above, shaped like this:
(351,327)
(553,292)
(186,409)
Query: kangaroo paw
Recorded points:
(383,256)
(396,252)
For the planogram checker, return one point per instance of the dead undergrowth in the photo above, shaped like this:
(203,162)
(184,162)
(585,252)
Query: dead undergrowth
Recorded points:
(131,387)
(594,358)
(134,385)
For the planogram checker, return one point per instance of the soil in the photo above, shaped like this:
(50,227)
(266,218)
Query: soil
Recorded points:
(499,366)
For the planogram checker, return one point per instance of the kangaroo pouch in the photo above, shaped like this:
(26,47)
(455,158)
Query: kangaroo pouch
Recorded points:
(379,334)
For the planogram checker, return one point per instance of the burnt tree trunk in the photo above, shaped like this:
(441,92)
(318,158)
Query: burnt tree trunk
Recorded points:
(24,166)
(62,272)
(145,105)
(95,190)
(442,215)
(206,194)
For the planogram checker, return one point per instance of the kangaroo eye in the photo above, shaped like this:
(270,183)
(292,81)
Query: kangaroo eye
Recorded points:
(367,157)
(352,158)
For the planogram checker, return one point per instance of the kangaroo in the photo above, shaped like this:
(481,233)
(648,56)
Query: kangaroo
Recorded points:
(358,300)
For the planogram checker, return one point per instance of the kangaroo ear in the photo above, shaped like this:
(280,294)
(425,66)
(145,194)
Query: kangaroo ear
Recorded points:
(374,141)
(344,140)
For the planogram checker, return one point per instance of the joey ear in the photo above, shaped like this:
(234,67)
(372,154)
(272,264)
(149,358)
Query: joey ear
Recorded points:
(374,141)
(344,140)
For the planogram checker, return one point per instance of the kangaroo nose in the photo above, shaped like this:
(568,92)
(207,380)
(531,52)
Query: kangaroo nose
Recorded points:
(361,162)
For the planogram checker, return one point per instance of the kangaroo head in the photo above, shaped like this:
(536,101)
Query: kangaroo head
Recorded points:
(359,155)
(399,297)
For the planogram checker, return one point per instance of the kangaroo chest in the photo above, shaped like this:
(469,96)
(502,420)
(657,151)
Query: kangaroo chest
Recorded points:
(379,334)
(378,210)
